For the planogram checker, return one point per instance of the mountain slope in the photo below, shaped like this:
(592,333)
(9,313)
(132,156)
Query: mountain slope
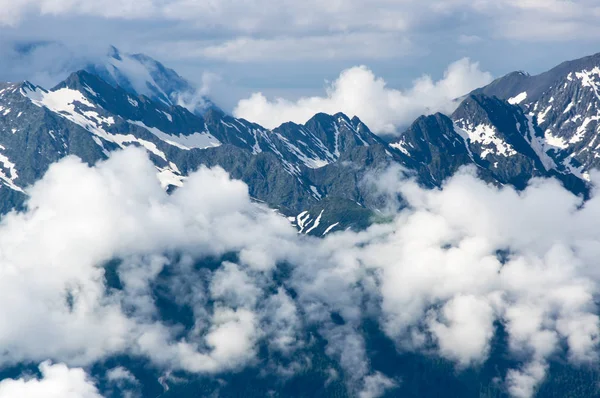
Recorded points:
(564,104)
(483,131)
(314,173)
(277,165)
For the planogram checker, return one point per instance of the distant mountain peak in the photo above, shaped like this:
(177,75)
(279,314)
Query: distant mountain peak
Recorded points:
(140,74)
(113,52)
(563,104)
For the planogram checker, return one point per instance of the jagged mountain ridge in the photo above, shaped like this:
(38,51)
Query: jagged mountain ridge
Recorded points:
(521,126)
(564,104)
(278,165)
(486,132)
(312,173)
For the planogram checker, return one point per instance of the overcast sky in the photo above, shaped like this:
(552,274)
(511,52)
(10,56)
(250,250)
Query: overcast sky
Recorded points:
(290,48)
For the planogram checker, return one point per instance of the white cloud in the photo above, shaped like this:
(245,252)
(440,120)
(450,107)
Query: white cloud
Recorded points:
(376,385)
(523,384)
(283,324)
(440,260)
(124,381)
(234,286)
(232,336)
(280,38)
(57,381)
(81,217)
(438,276)
(358,92)
(432,277)
(120,373)
(466,329)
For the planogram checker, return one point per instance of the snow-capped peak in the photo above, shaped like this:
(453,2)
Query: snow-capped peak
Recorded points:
(140,74)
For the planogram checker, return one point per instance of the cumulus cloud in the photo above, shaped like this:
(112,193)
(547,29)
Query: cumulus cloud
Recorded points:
(358,92)
(57,381)
(53,275)
(376,385)
(439,278)
(465,332)
(441,264)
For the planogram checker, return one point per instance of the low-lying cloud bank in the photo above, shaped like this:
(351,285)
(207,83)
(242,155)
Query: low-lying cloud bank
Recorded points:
(358,92)
(438,279)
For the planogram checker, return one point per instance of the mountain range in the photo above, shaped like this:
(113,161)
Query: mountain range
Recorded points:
(516,128)
(320,175)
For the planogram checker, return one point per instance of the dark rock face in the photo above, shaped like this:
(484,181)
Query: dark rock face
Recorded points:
(564,105)
(495,132)
(434,145)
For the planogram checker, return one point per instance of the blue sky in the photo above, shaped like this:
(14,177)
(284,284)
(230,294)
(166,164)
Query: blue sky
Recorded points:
(288,48)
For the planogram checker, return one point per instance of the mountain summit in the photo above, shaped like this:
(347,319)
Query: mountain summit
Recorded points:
(139,74)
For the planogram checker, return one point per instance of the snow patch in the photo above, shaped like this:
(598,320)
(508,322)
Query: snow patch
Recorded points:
(89,90)
(312,163)
(315,192)
(576,170)
(168,115)
(168,177)
(555,141)
(316,223)
(588,80)
(518,98)
(63,101)
(329,228)
(400,146)
(8,179)
(569,107)
(582,129)
(538,144)
(485,135)
(542,115)
(196,140)
(301,220)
